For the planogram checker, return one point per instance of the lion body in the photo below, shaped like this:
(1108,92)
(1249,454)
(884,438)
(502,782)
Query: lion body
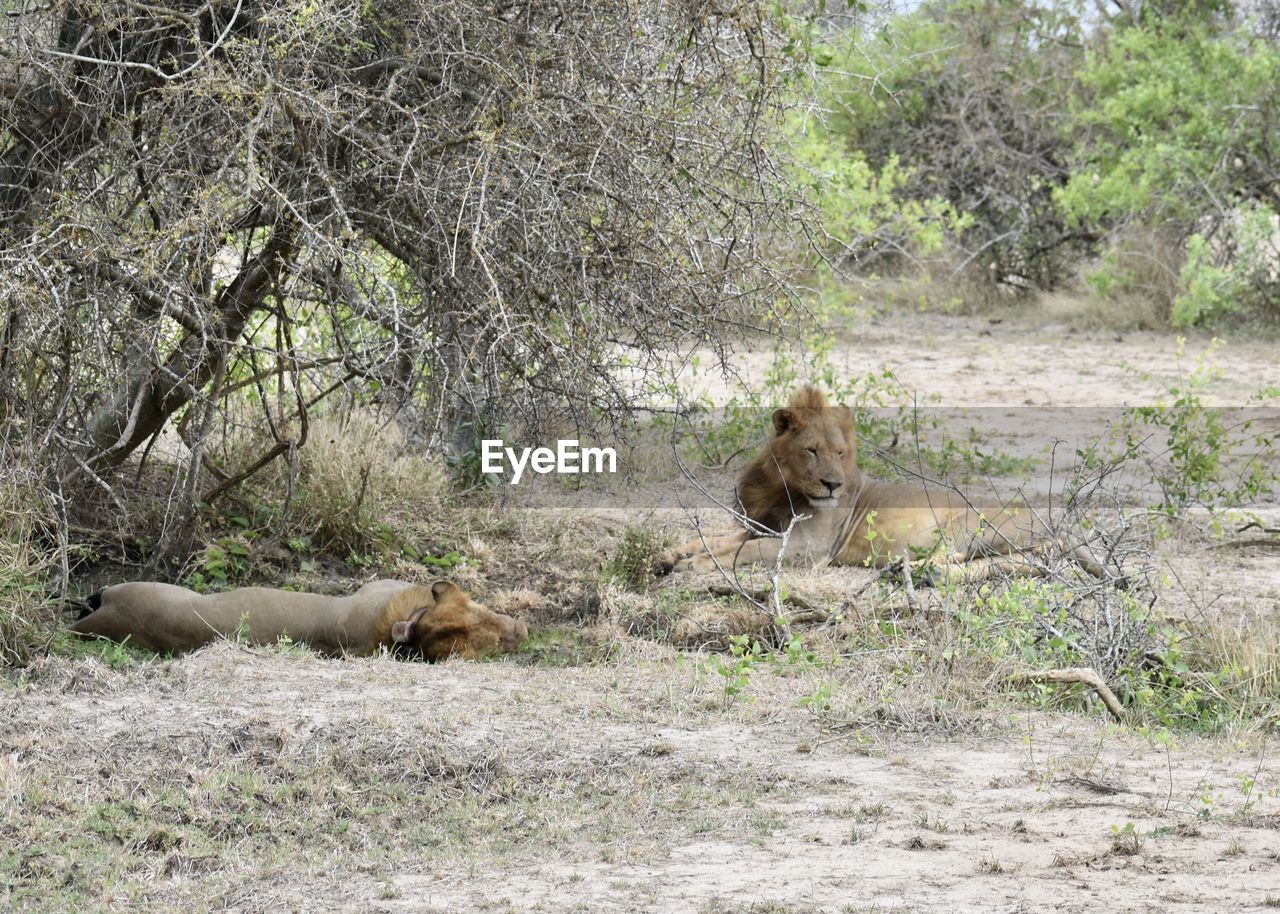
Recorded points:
(804,492)
(165,617)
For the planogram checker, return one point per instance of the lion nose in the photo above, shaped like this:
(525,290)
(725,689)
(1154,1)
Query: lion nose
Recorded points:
(516,636)
(831,486)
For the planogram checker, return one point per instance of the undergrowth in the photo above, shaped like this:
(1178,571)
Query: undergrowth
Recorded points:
(27,563)
(970,644)
(1169,674)
(116,656)
(634,557)
(1195,454)
(354,497)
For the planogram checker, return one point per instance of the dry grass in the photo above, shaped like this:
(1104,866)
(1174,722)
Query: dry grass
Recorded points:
(942,284)
(356,480)
(261,780)
(1245,655)
(26,563)
(1143,267)
(1090,311)
(221,788)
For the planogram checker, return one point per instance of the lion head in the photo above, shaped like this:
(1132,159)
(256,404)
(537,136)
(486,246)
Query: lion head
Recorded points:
(811,460)
(442,620)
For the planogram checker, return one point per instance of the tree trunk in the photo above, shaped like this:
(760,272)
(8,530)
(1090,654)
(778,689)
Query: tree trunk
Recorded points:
(152,393)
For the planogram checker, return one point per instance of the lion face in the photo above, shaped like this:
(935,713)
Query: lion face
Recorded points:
(816,451)
(458,625)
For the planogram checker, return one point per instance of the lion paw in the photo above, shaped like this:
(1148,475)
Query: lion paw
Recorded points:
(702,562)
(671,561)
(663,565)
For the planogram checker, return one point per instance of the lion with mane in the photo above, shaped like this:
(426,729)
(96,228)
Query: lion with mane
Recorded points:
(804,492)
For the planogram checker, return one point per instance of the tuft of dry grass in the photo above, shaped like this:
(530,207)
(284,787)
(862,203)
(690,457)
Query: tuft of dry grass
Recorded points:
(1245,658)
(1089,311)
(356,488)
(1142,267)
(356,481)
(26,564)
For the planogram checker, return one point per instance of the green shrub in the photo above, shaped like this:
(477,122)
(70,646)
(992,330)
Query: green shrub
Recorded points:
(1195,454)
(1161,672)
(957,109)
(633,559)
(1176,133)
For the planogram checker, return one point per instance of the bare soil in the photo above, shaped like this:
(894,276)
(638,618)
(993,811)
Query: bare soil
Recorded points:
(629,786)
(604,771)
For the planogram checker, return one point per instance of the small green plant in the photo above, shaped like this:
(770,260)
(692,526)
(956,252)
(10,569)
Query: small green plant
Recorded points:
(1248,781)
(968,458)
(1125,840)
(735,672)
(299,544)
(1196,454)
(285,645)
(446,562)
(633,559)
(117,655)
(220,564)
(820,700)
(467,467)
(562,646)
(796,657)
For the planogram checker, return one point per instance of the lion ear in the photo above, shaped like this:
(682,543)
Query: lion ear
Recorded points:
(401,631)
(784,419)
(442,589)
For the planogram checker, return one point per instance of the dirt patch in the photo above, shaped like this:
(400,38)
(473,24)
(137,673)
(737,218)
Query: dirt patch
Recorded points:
(1014,360)
(627,787)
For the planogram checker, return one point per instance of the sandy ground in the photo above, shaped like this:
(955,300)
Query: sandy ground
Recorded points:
(255,780)
(1016,361)
(636,787)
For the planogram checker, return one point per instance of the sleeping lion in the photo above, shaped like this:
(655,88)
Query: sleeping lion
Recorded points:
(434,622)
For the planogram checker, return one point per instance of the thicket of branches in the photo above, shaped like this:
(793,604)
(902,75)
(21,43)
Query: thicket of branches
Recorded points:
(1132,142)
(474,210)
(969,97)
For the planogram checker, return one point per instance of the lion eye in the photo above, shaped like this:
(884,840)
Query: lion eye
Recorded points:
(813,451)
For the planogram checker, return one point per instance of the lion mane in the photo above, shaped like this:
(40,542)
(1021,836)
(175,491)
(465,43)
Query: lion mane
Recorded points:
(814,446)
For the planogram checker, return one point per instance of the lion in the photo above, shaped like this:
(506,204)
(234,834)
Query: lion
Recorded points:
(434,622)
(806,483)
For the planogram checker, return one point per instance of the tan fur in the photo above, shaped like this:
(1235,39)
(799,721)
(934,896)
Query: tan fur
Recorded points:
(809,467)
(165,617)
